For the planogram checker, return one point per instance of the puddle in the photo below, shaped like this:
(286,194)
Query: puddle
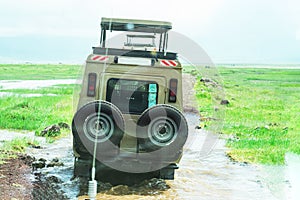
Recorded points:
(55,182)
(8,94)
(283,181)
(32,84)
(212,175)
(293,175)
(6,135)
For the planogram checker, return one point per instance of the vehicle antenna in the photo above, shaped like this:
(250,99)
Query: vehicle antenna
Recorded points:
(92,188)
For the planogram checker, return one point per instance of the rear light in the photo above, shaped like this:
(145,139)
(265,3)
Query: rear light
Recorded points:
(173,90)
(91,92)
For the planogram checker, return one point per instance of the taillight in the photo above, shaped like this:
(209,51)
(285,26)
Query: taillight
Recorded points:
(173,90)
(91,92)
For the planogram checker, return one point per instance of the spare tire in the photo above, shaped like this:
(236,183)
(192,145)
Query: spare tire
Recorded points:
(100,121)
(162,127)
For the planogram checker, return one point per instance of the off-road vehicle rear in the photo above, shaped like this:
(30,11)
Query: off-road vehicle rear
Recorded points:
(130,105)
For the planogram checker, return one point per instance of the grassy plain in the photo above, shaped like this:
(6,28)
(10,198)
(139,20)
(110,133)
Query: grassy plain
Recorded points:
(261,121)
(21,112)
(38,72)
(262,118)
(35,113)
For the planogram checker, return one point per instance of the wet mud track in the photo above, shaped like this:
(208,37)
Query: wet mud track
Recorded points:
(205,172)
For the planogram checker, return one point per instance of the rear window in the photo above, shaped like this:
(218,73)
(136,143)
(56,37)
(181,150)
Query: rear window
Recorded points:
(132,96)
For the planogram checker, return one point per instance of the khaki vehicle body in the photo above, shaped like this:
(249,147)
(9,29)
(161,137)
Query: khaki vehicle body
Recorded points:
(133,82)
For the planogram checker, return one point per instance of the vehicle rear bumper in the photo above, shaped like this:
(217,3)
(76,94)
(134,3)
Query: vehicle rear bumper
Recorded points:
(82,168)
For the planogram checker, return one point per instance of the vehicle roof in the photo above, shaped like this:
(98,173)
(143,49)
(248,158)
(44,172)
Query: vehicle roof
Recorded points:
(135,25)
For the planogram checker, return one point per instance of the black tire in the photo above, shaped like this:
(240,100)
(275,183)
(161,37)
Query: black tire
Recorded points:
(162,127)
(108,125)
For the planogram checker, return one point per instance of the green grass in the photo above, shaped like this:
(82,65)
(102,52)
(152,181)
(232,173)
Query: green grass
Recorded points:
(263,116)
(8,149)
(18,144)
(34,113)
(38,72)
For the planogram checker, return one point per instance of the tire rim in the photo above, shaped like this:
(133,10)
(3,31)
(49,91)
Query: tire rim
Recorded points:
(101,127)
(162,131)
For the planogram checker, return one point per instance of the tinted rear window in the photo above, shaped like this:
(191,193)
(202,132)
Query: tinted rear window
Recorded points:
(132,96)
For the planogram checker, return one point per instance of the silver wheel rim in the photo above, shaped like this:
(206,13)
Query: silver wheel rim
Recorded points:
(101,127)
(162,131)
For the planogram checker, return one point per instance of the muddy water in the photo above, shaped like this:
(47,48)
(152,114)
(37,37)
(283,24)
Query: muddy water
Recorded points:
(205,173)
(56,182)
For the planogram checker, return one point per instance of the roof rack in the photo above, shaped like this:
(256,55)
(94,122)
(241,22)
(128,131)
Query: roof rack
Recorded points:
(135,25)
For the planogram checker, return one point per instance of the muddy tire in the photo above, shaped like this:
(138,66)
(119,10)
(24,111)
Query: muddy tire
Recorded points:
(101,121)
(164,128)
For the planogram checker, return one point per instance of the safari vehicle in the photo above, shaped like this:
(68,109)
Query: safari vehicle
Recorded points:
(130,105)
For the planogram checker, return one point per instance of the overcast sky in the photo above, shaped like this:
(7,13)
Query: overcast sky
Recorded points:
(232,31)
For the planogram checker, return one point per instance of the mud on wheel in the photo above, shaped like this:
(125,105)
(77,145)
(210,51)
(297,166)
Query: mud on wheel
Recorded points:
(162,127)
(100,121)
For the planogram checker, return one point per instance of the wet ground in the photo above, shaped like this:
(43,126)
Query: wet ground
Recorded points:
(30,84)
(205,172)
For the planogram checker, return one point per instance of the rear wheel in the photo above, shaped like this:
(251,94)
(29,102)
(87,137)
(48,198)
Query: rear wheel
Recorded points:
(98,125)
(100,121)
(162,131)
(164,128)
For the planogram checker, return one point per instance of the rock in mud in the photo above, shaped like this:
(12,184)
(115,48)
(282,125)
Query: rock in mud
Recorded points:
(151,187)
(224,102)
(28,160)
(206,80)
(55,163)
(55,159)
(209,82)
(38,164)
(64,125)
(53,179)
(42,160)
(119,190)
(52,130)
(34,146)
(158,184)
(104,186)
(198,127)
